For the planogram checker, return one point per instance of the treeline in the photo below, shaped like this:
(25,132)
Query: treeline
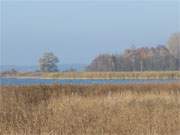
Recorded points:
(141,59)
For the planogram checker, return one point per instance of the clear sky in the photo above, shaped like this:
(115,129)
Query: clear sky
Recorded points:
(76,31)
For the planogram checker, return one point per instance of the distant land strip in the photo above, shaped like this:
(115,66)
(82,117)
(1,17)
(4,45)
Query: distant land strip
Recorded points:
(94,75)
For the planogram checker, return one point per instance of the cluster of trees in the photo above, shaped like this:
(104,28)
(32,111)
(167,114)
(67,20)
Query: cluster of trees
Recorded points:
(133,59)
(141,59)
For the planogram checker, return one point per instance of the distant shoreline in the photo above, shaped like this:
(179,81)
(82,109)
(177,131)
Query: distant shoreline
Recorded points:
(39,78)
(147,75)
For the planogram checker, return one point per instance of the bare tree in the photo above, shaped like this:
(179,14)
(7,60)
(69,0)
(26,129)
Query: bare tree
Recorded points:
(174,47)
(48,62)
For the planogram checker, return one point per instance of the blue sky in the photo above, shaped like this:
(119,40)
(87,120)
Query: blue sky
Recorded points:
(76,31)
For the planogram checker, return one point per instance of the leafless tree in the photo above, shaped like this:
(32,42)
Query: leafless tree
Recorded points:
(48,62)
(173,45)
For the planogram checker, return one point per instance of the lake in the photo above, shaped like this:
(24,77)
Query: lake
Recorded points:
(14,81)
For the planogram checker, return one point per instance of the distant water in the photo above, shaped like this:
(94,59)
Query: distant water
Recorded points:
(61,67)
(13,81)
(17,68)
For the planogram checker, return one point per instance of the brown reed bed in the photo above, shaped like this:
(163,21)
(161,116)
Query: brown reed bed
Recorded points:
(98,75)
(131,109)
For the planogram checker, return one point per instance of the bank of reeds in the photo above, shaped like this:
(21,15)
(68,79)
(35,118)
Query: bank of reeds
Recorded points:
(132,109)
(99,75)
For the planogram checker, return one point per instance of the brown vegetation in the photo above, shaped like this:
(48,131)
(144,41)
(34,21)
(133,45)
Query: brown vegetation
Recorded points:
(140,59)
(97,75)
(137,109)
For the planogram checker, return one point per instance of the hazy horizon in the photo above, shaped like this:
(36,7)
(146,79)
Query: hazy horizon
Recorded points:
(78,31)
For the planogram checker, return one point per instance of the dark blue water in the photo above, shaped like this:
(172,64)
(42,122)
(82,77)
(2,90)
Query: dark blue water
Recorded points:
(13,81)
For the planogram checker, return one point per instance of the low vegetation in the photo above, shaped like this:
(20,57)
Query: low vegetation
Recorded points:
(133,109)
(97,75)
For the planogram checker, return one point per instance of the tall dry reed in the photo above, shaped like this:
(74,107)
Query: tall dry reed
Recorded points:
(137,109)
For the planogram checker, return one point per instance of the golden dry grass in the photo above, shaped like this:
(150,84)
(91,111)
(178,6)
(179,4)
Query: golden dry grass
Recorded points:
(100,75)
(137,109)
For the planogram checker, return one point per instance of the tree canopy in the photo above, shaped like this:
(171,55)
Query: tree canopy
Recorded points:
(140,59)
(48,62)
(174,47)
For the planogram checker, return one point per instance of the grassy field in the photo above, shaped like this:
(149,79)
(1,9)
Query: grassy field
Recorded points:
(98,75)
(137,109)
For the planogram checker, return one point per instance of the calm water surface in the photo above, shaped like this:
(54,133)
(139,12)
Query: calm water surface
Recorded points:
(14,81)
